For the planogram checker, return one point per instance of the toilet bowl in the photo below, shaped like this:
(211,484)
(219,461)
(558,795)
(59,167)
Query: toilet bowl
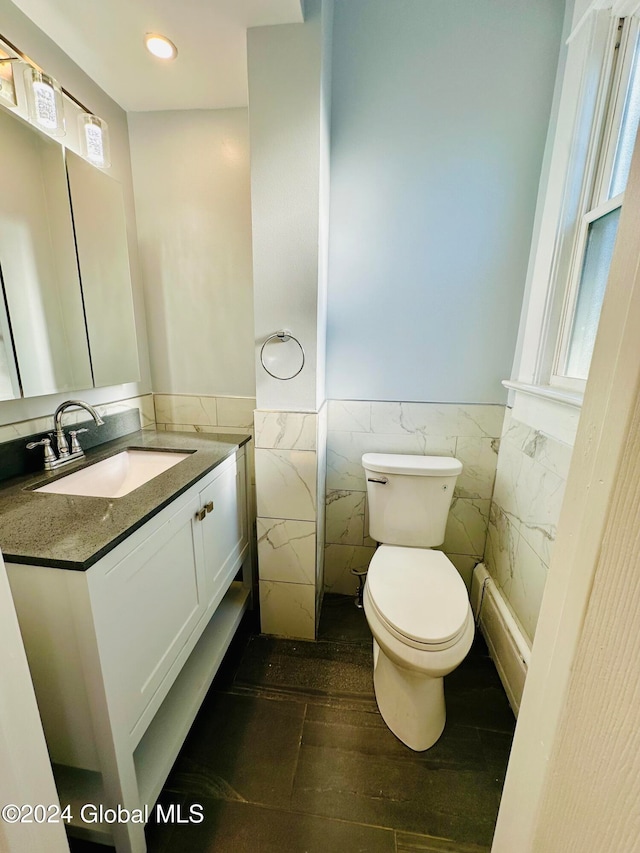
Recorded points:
(415,601)
(418,611)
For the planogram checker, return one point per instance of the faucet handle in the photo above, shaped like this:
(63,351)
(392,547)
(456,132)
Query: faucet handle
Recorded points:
(75,444)
(49,455)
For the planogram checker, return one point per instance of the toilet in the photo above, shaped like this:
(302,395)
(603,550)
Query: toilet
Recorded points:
(415,601)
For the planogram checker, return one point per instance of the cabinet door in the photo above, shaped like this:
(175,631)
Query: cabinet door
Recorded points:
(224,529)
(145,609)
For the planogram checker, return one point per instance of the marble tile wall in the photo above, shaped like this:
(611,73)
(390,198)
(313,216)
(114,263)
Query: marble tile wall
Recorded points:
(287,483)
(144,404)
(530,481)
(205,414)
(191,413)
(469,432)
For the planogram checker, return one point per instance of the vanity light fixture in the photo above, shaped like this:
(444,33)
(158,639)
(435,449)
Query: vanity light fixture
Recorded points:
(94,140)
(45,102)
(160,46)
(44,97)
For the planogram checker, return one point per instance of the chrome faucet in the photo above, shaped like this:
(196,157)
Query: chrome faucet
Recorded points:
(61,439)
(65,455)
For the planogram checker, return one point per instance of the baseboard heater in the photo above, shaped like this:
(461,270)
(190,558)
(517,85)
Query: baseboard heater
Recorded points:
(508,646)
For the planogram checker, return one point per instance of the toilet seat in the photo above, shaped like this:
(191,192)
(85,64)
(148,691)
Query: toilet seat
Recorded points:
(419,596)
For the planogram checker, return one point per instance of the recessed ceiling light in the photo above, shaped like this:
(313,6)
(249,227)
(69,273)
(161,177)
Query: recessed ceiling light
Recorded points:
(160,46)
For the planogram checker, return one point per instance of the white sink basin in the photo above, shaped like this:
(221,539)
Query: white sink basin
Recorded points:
(116,476)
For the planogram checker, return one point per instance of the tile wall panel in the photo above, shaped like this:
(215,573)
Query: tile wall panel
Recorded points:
(530,481)
(288,609)
(289,430)
(287,550)
(286,483)
(186,409)
(289,522)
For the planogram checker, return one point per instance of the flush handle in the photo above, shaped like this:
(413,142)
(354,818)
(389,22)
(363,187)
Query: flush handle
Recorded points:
(382,480)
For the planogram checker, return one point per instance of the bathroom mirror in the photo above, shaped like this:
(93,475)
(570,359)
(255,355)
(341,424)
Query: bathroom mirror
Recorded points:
(9,380)
(66,306)
(44,322)
(103,259)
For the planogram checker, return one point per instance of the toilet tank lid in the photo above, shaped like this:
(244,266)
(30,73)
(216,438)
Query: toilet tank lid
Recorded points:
(417,466)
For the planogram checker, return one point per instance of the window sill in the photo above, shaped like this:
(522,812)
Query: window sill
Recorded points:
(550,410)
(546,392)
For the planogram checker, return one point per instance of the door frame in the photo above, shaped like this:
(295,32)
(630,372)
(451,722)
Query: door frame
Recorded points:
(26,777)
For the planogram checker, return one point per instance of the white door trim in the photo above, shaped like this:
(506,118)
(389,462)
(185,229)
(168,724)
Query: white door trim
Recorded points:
(26,777)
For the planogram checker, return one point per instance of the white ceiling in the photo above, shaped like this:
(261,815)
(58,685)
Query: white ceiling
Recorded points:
(105,38)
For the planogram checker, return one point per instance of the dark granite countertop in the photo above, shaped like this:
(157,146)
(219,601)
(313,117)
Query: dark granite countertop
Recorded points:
(72,531)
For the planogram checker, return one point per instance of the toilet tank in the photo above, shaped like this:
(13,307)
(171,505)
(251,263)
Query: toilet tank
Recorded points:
(409,497)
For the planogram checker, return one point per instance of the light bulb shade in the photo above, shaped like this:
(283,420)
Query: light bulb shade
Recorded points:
(7,87)
(44,97)
(94,140)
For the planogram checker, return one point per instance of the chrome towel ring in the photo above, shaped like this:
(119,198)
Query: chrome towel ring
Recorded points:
(283,337)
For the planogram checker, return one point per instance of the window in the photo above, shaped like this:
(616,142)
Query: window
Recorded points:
(594,137)
(612,139)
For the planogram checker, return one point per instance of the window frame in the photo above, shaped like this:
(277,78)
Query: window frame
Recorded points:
(578,165)
(596,203)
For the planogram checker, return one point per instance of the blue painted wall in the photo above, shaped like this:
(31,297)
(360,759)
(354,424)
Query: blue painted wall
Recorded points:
(439,118)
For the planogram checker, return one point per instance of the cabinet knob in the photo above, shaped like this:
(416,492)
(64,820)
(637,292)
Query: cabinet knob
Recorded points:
(200,515)
(209,506)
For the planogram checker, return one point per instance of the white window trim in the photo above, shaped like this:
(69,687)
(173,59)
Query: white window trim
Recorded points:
(543,309)
(546,392)
(619,8)
(594,202)
(554,412)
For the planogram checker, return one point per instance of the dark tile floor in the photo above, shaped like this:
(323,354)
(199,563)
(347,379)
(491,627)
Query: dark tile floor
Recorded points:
(289,754)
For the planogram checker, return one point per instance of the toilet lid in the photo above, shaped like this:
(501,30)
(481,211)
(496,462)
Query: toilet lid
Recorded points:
(419,593)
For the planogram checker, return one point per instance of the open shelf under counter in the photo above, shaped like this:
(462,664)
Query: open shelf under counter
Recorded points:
(160,744)
(82,789)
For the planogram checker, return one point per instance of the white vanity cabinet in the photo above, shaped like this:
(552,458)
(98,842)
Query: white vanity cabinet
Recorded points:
(123,653)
